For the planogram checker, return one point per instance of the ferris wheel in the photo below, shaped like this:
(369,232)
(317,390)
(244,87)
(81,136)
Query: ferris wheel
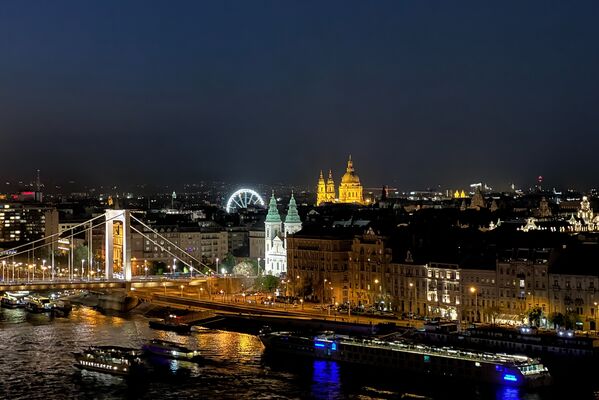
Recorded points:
(243,198)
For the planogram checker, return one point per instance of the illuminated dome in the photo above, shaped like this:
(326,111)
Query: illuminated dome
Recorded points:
(350,176)
(350,188)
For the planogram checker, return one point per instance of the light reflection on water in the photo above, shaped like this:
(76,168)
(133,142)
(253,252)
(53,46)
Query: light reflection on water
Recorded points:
(326,379)
(37,363)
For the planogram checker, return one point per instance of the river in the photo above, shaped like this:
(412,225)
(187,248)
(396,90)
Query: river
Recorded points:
(36,362)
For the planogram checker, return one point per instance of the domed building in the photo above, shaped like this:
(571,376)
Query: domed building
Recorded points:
(350,188)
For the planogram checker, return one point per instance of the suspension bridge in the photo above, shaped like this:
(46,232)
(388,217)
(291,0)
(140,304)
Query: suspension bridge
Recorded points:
(33,265)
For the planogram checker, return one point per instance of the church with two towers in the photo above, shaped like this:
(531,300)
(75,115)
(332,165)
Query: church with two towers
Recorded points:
(275,235)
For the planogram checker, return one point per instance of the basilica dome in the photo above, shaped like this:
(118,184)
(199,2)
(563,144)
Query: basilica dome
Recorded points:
(350,177)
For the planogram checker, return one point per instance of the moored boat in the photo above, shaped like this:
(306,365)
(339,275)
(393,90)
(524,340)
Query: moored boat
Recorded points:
(503,369)
(110,360)
(8,301)
(170,323)
(37,304)
(172,350)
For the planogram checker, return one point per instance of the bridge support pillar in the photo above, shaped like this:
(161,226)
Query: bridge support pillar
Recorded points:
(118,243)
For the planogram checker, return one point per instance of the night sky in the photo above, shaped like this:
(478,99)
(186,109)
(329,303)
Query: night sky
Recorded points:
(420,93)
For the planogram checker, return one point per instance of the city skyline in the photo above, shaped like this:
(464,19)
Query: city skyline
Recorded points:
(442,94)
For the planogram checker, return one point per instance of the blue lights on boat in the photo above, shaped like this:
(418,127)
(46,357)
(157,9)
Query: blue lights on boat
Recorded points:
(319,344)
(510,378)
(333,346)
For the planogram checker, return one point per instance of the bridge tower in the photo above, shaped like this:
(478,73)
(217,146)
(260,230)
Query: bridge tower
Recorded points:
(118,243)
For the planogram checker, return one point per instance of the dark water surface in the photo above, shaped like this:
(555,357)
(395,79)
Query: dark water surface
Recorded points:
(36,362)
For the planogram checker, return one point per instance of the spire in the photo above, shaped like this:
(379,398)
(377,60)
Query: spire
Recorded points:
(350,165)
(321,177)
(38,182)
(384,193)
(273,211)
(292,215)
(330,175)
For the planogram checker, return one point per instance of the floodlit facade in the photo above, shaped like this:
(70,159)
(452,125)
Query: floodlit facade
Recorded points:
(275,236)
(350,188)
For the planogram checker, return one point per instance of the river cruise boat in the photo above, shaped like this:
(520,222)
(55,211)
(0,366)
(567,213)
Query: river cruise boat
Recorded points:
(109,360)
(38,304)
(503,369)
(531,341)
(170,323)
(172,350)
(9,301)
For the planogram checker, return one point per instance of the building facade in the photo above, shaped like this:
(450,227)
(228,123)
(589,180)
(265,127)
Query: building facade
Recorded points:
(256,240)
(21,223)
(350,188)
(318,262)
(204,244)
(275,236)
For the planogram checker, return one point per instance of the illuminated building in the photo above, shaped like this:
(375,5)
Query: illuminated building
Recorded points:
(24,223)
(478,201)
(275,236)
(350,188)
(317,263)
(205,244)
(321,196)
(585,212)
(460,195)
(326,191)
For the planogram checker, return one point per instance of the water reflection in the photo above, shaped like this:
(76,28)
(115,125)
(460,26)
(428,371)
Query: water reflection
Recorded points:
(37,363)
(326,380)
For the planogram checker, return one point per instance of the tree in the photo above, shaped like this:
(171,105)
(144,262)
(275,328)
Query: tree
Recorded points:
(228,262)
(244,268)
(557,319)
(267,283)
(493,312)
(534,315)
(571,319)
(80,253)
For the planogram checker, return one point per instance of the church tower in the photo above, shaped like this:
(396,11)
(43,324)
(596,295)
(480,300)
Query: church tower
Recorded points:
(293,223)
(321,196)
(330,188)
(272,225)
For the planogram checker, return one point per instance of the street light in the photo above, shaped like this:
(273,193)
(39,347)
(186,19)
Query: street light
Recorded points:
(411,313)
(182,286)
(43,268)
(217,265)
(164,284)
(174,266)
(302,303)
(146,269)
(595,316)
(82,268)
(259,270)
(324,289)
(473,290)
